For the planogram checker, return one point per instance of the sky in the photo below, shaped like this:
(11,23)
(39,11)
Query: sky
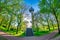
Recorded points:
(33,3)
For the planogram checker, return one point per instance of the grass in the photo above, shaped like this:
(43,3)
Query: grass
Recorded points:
(11,32)
(22,34)
(41,33)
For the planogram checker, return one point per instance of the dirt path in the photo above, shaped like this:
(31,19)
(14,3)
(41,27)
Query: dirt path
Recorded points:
(56,38)
(45,37)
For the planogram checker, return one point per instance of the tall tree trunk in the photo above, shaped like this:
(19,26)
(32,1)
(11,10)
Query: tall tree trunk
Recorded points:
(1,22)
(17,28)
(19,23)
(48,22)
(48,25)
(20,20)
(56,20)
(52,24)
(37,27)
(9,22)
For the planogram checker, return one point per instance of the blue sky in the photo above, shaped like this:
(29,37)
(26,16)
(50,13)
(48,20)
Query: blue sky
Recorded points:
(33,3)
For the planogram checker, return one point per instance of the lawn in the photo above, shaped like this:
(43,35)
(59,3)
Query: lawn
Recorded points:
(22,33)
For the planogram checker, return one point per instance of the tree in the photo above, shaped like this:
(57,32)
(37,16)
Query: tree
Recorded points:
(20,16)
(50,6)
(36,21)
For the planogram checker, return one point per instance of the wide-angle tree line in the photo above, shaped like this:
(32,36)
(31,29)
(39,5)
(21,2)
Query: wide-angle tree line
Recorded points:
(48,14)
(11,12)
(11,15)
(50,6)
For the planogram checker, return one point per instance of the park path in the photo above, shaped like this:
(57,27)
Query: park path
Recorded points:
(56,38)
(45,37)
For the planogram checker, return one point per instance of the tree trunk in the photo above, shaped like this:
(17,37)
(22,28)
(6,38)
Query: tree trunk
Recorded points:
(48,22)
(20,20)
(48,26)
(56,20)
(9,23)
(1,22)
(17,28)
(52,24)
(19,23)
(37,28)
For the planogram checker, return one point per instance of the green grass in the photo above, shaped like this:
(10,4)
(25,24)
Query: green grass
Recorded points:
(11,32)
(41,33)
(22,34)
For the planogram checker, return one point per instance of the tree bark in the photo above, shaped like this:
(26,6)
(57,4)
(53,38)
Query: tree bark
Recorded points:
(52,24)
(48,22)
(19,23)
(9,23)
(56,20)
(17,28)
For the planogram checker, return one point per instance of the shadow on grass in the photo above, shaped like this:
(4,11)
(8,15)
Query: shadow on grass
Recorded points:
(41,33)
